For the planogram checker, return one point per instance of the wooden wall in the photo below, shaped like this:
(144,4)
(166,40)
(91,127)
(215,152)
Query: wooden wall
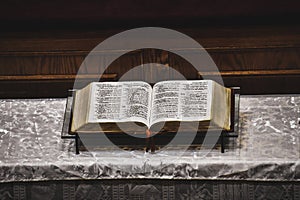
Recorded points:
(259,59)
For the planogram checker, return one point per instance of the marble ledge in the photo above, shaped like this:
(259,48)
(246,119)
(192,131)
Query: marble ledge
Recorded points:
(268,147)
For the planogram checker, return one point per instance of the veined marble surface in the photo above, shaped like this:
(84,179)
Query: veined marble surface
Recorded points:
(268,147)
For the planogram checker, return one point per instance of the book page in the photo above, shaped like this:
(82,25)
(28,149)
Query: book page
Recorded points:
(181,101)
(221,107)
(81,100)
(120,102)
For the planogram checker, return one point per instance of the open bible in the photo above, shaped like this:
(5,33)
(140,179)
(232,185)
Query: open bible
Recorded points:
(134,106)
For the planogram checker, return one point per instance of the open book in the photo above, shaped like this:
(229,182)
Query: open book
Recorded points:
(134,106)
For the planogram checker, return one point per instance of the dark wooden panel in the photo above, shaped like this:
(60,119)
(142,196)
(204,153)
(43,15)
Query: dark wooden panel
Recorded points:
(156,66)
(272,84)
(261,81)
(40,86)
(125,63)
(274,59)
(182,66)
(259,59)
(212,38)
(44,64)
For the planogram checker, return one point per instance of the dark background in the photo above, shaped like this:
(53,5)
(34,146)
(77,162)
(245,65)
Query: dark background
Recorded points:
(116,13)
(255,44)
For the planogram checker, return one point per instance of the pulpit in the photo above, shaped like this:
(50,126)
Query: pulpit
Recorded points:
(255,46)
